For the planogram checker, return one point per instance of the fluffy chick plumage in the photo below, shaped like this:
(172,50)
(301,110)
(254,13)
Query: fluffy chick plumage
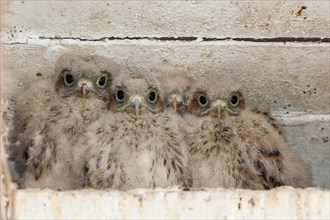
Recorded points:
(233,146)
(133,147)
(60,109)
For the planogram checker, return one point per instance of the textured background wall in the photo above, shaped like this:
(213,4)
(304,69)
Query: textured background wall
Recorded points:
(280,49)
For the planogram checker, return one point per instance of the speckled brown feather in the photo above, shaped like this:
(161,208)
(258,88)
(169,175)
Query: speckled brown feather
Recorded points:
(64,117)
(124,151)
(239,151)
(269,117)
(29,116)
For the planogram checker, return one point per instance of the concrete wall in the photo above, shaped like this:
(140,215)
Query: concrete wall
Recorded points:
(279,48)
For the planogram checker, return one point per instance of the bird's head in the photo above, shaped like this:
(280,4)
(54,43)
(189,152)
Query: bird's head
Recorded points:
(217,97)
(220,108)
(176,100)
(82,86)
(175,89)
(84,76)
(137,96)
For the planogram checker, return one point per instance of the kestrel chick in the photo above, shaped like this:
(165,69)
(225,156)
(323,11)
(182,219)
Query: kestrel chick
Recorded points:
(233,147)
(28,117)
(58,115)
(175,89)
(136,144)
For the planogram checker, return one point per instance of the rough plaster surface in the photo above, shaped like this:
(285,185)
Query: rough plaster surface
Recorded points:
(291,78)
(218,19)
(311,141)
(281,203)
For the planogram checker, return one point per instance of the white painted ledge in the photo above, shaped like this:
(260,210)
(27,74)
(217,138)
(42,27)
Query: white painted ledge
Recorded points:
(280,203)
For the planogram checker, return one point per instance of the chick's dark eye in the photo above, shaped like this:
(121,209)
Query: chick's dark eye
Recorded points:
(202,101)
(102,81)
(234,100)
(120,96)
(68,79)
(152,96)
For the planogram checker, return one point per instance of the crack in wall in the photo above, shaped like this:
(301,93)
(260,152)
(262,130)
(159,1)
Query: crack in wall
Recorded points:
(15,41)
(123,38)
(277,39)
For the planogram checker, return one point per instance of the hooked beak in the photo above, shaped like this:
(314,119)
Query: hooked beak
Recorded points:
(217,106)
(84,89)
(175,101)
(174,105)
(137,101)
(85,86)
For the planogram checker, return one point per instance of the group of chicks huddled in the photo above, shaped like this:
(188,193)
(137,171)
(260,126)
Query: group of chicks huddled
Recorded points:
(97,125)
